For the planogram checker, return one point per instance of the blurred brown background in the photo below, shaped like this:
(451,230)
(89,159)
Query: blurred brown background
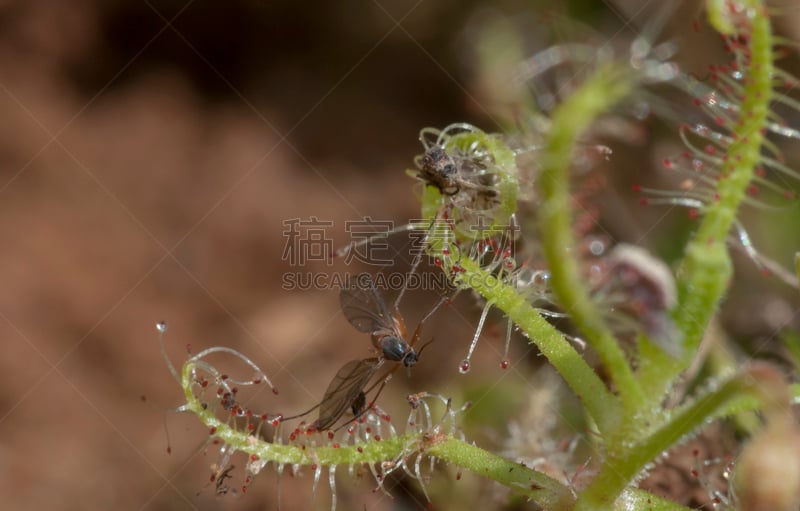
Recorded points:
(149,155)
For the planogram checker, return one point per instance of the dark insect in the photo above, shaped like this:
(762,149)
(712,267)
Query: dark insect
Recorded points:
(439,169)
(461,174)
(365,309)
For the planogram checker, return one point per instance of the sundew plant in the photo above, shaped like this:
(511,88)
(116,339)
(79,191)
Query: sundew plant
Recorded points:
(623,329)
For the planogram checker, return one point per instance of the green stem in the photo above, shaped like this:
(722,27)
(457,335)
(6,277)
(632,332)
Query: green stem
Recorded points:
(545,491)
(759,381)
(634,498)
(601,404)
(706,266)
(540,488)
(608,86)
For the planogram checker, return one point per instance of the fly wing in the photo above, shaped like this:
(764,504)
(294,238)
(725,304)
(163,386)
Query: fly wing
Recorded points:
(344,389)
(364,307)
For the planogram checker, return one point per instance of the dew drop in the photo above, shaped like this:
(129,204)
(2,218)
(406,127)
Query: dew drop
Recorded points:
(161,326)
(504,364)
(596,247)
(464,367)
(541,278)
